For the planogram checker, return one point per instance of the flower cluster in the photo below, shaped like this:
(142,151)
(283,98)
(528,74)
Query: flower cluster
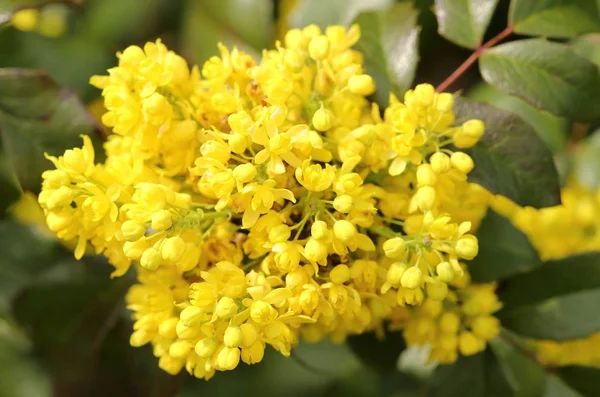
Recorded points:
(557,232)
(263,202)
(50,20)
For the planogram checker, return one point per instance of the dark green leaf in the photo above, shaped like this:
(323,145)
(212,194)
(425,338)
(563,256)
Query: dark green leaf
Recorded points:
(556,388)
(555,278)
(389,41)
(511,159)
(586,164)
(504,250)
(588,46)
(37,116)
(332,12)
(554,18)
(582,379)
(464,21)
(548,75)
(9,186)
(551,129)
(380,354)
(246,24)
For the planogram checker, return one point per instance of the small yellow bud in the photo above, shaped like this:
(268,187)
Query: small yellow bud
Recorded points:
(139,338)
(436,290)
(361,84)
(279,234)
(233,336)
(425,175)
(161,220)
(343,203)
(323,119)
(319,230)
(180,349)
(191,316)
(445,272)
(61,197)
(205,347)
(253,354)
(469,343)
(319,47)
(226,308)
(244,172)
(249,334)
(216,150)
(132,230)
(425,94)
(469,133)
(449,322)
(486,327)
(173,249)
(134,250)
(344,230)
(425,197)
(412,278)
(339,274)
(190,257)
(166,329)
(315,250)
(462,162)
(394,273)
(440,162)
(151,259)
(467,247)
(309,300)
(294,39)
(394,248)
(25,20)
(444,102)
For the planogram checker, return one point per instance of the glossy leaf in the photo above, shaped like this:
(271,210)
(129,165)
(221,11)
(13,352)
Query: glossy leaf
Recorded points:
(38,116)
(510,158)
(332,12)
(464,22)
(245,24)
(586,162)
(546,74)
(389,41)
(554,18)
(555,387)
(588,46)
(504,250)
(582,379)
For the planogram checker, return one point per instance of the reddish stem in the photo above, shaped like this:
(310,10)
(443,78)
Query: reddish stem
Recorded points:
(474,56)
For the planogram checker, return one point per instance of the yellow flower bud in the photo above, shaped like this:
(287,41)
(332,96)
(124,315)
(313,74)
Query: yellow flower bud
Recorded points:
(253,354)
(279,234)
(449,322)
(445,272)
(436,290)
(315,250)
(262,312)
(323,119)
(394,248)
(444,102)
(294,39)
(467,247)
(394,273)
(180,349)
(173,249)
(344,230)
(233,336)
(448,341)
(339,274)
(205,347)
(139,338)
(151,259)
(249,334)
(469,133)
(190,257)
(226,308)
(343,203)
(132,230)
(134,250)
(412,278)
(166,329)
(319,47)
(309,300)
(191,315)
(469,343)
(425,175)
(425,94)
(361,84)
(216,150)
(425,197)
(161,220)
(319,230)
(25,20)
(440,162)
(244,173)
(462,162)
(486,327)
(61,197)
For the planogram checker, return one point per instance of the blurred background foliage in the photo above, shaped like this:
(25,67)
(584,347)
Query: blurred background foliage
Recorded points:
(64,329)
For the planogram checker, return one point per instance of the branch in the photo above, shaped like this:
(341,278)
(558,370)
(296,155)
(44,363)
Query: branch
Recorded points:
(508,338)
(474,56)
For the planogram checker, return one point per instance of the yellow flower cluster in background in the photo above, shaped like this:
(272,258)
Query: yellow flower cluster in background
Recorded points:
(263,202)
(50,20)
(557,232)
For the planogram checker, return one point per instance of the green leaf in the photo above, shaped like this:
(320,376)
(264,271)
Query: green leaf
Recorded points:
(582,379)
(389,41)
(464,21)
(525,377)
(556,388)
(247,24)
(551,129)
(586,162)
(504,250)
(548,75)
(332,12)
(588,46)
(554,18)
(21,375)
(37,116)
(375,353)
(510,158)
(9,186)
